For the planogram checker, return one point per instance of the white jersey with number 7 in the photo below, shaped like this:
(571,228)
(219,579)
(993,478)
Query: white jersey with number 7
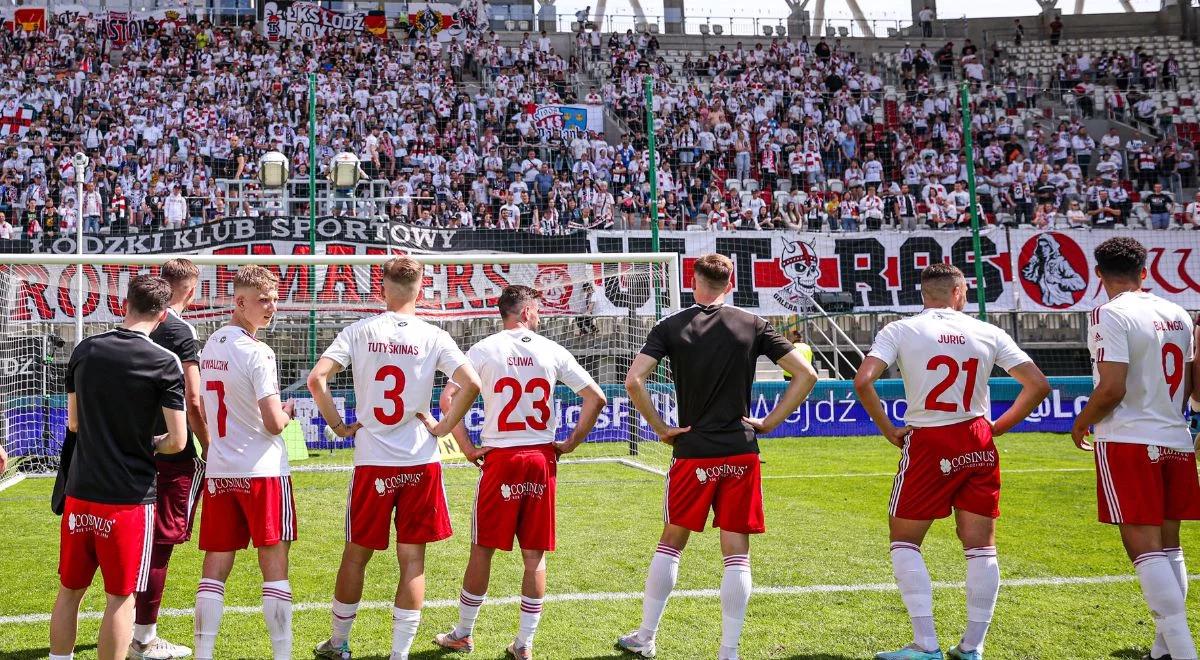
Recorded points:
(1154,337)
(394,358)
(518,370)
(945,358)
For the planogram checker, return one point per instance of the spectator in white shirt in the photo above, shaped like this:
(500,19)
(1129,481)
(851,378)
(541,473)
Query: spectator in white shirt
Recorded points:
(175,209)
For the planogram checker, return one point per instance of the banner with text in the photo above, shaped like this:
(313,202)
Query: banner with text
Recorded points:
(283,19)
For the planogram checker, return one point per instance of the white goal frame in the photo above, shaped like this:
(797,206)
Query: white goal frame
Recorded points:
(670,261)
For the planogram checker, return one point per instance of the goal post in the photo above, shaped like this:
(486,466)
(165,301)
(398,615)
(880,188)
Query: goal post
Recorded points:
(600,306)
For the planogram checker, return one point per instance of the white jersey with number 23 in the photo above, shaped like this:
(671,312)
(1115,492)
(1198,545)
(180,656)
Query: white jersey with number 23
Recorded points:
(945,358)
(518,370)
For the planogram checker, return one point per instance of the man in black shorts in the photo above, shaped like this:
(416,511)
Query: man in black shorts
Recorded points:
(119,384)
(713,348)
(179,475)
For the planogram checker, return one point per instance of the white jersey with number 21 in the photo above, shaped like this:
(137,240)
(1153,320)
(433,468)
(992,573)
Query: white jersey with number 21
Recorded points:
(945,358)
(518,370)
(394,358)
(1154,337)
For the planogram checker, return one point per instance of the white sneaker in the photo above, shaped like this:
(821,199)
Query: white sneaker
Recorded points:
(157,649)
(633,643)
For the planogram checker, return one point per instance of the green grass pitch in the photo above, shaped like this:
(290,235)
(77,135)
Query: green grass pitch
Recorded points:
(822,572)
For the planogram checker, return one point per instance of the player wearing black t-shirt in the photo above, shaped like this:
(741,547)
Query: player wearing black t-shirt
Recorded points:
(179,475)
(118,384)
(713,349)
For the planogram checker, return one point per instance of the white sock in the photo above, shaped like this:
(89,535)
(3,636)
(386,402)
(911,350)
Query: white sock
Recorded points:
(983,583)
(468,611)
(735,596)
(277,610)
(210,606)
(145,633)
(1163,595)
(404,629)
(343,619)
(664,570)
(69,656)
(1175,557)
(531,614)
(916,591)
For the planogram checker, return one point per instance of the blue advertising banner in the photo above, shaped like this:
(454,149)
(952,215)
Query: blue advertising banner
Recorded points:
(831,410)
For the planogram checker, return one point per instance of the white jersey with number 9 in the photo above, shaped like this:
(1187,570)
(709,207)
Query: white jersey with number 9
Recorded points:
(945,358)
(394,358)
(518,370)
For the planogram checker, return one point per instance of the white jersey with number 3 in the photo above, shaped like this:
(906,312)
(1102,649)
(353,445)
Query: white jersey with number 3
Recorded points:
(518,370)
(1154,337)
(945,358)
(394,358)
(236,372)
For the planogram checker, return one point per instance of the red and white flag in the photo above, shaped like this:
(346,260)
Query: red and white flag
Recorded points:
(16,120)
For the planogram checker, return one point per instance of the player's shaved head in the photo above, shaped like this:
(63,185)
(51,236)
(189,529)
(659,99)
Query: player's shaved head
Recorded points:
(514,298)
(179,272)
(1121,258)
(148,296)
(255,277)
(713,271)
(939,282)
(404,276)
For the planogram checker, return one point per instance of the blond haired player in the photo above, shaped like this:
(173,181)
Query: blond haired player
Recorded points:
(397,464)
(248,493)
(948,462)
(1145,458)
(515,496)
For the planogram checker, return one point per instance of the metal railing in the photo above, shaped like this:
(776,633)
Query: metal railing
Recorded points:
(733,26)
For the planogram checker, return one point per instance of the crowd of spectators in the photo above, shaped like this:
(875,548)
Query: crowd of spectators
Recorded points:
(787,134)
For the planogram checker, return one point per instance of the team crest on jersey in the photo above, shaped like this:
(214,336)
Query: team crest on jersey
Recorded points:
(802,265)
(1055,273)
(1153,452)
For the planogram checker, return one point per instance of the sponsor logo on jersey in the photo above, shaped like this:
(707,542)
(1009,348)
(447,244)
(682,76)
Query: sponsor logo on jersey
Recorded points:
(967,461)
(720,472)
(87,523)
(522,489)
(526,339)
(1153,452)
(220,485)
(393,482)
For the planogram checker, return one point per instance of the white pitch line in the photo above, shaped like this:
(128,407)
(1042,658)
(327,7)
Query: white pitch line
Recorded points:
(845,475)
(627,596)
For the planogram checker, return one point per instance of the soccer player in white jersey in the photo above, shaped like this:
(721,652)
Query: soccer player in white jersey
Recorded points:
(948,462)
(1145,458)
(397,464)
(248,493)
(518,369)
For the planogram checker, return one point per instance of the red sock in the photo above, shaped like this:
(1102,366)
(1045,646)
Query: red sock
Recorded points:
(146,603)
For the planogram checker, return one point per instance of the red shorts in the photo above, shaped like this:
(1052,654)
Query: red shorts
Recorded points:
(947,467)
(179,485)
(731,486)
(116,538)
(415,493)
(238,510)
(1145,484)
(515,497)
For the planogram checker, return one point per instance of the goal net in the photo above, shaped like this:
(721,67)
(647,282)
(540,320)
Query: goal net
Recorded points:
(599,306)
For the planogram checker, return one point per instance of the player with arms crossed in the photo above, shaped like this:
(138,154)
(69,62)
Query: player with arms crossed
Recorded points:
(713,349)
(518,369)
(949,462)
(248,493)
(118,384)
(397,464)
(179,475)
(1145,458)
